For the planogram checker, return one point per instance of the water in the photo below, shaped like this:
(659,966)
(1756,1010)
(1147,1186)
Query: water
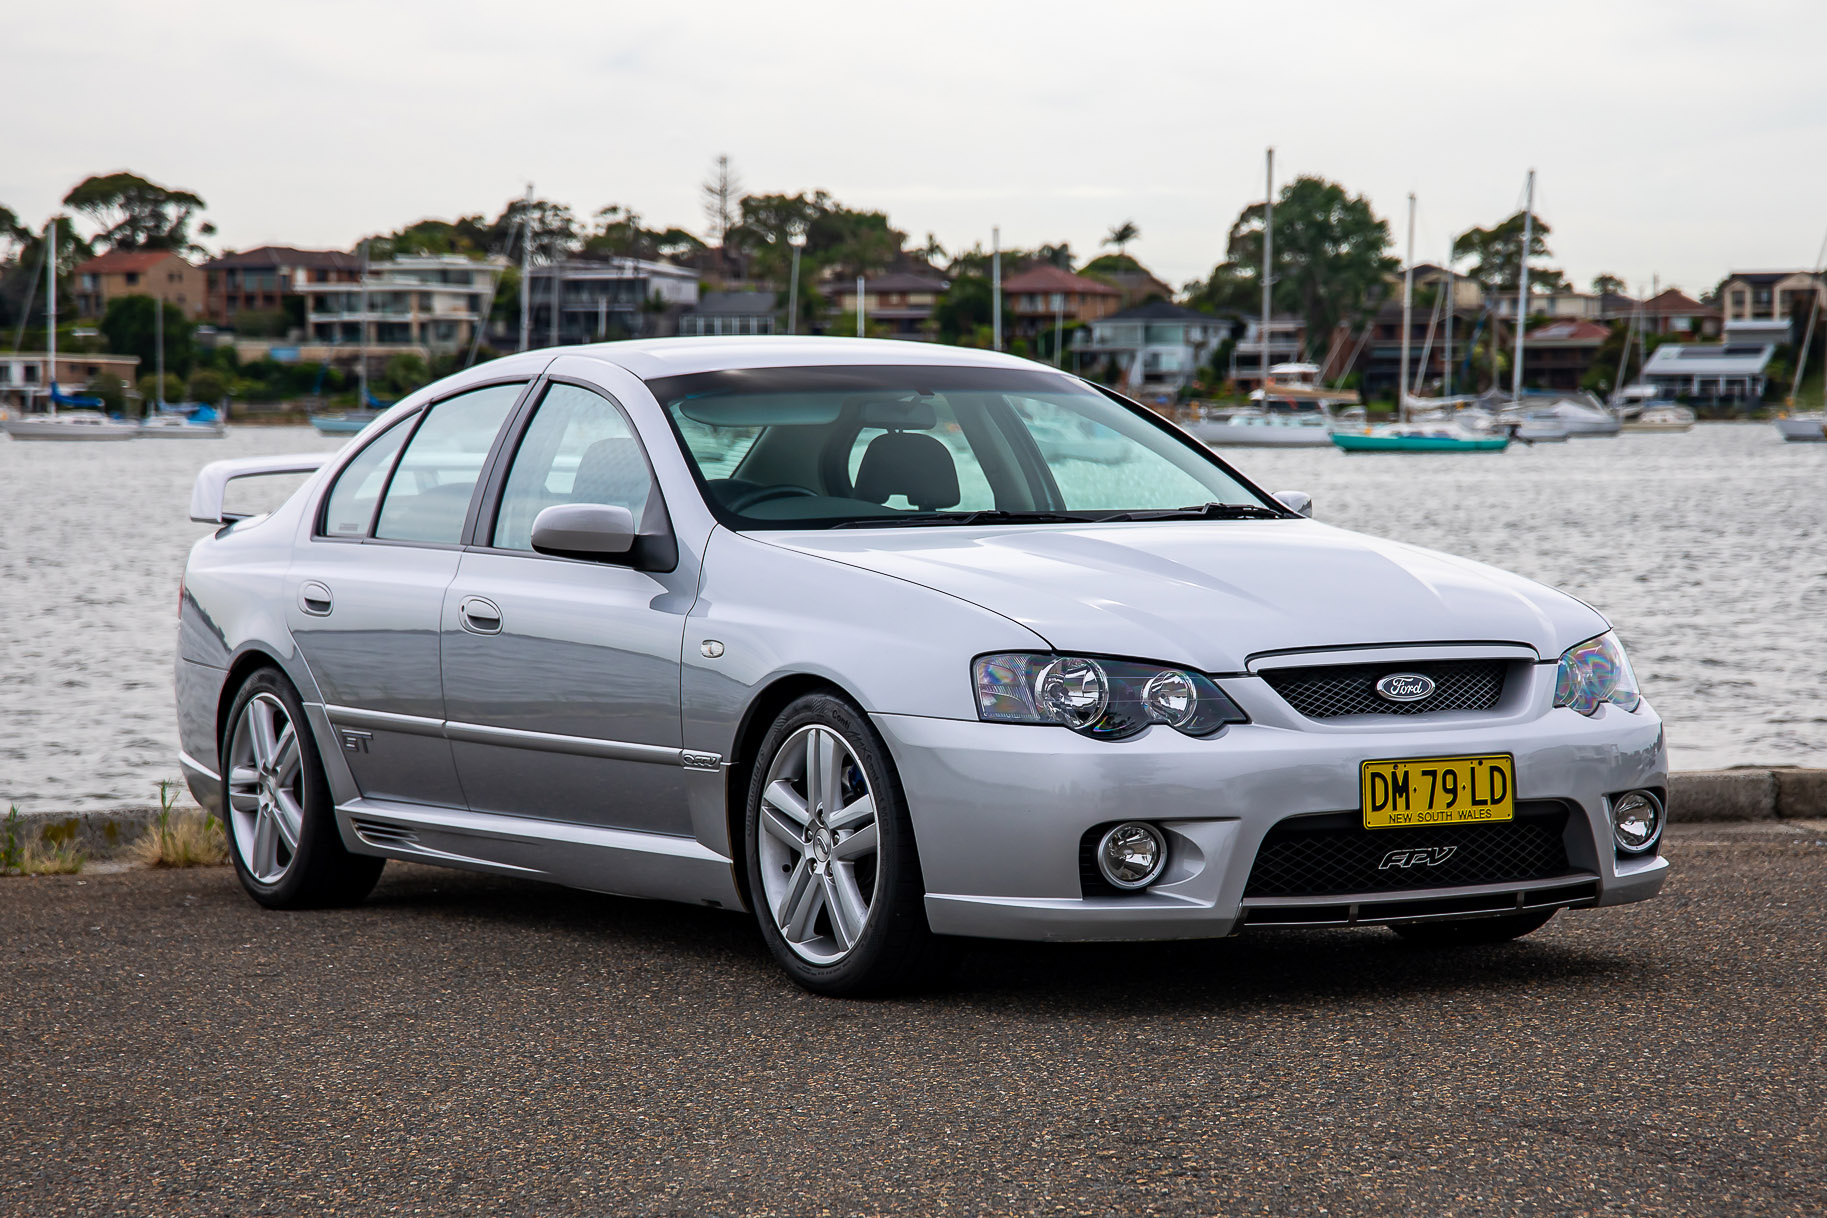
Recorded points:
(1708,550)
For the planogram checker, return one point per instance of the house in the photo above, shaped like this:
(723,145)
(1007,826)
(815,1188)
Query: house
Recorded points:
(1765,295)
(1675,312)
(1137,286)
(1378,349)
(611,298)
(900,302)
(1732,371)
(732,313)
(22,374)
(422,304)
(269,279)
(160,274)
(1287,339)
(1565,303)
(1155,347)
(1557,355)
(1037,298)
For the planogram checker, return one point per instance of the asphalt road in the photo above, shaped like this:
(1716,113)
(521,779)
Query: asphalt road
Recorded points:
(468,1044)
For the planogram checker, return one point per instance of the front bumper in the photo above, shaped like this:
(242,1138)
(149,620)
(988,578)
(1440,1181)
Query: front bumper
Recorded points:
(999,812)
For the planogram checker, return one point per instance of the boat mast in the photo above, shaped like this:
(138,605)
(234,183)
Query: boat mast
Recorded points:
(362,290)
(526,268)
(158,342)
(1408,309)
(1268,261)
(1446,367)
(996,287)
(1522,288)
(50,297)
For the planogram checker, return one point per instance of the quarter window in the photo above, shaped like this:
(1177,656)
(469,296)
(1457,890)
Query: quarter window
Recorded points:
(579,448)
(350,509)
(428,498)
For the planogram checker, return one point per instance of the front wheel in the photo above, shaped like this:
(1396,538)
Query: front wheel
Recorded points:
(1472,932)
(281,825)
(833,875)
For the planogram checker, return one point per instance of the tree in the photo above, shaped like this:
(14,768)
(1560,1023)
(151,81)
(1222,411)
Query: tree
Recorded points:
(149,389)
(1331,258)
(837,239)
(1122,234)
(206,385)
(931,252)
(404,373)
(963,314)
(464,235)
(13,233)
(621,236)
(110,389)
(129,325)
(1606,285)
(1497,258)
(720,194)
(137,214)
(551,227)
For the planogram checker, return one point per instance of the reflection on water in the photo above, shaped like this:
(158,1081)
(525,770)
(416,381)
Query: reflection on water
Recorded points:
(1709,551)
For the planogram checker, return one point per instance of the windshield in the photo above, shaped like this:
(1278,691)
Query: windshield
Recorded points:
(825,447)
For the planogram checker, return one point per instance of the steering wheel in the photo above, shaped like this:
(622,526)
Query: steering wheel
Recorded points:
(749,499)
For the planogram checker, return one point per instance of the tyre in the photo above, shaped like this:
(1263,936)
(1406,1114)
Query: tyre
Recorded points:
(833,875)
(281,828)
(1472,932)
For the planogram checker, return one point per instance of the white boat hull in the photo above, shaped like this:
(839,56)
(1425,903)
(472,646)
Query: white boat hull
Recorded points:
(53,428)
(1236,435)
(183,431)
(1803,429)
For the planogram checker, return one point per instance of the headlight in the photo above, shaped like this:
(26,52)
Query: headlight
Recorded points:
(1108,699)
(1594,673)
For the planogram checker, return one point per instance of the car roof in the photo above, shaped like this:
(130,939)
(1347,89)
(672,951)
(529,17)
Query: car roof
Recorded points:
(649,358)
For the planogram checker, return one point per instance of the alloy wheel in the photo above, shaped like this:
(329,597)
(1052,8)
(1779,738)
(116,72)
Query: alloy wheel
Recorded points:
(265,788)
(819,844)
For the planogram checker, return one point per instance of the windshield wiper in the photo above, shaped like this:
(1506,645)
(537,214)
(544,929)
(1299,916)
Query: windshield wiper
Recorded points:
(983,516)
(1205,511)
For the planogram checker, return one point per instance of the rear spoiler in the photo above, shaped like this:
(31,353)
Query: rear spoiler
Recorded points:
(212,482)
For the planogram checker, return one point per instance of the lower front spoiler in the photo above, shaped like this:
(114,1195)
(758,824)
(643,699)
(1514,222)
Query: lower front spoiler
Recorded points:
(1158,915)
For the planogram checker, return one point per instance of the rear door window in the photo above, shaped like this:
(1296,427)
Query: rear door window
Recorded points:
(435,478)
(350,509)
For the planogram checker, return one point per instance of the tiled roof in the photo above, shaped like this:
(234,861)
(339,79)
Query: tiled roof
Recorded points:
(1677,303)
(285,255)
(1570,332)
(1761,278)
(115,262)
(1049,278)
(1160,310)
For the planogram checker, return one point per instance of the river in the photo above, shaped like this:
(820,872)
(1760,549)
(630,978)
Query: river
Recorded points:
(1708,550)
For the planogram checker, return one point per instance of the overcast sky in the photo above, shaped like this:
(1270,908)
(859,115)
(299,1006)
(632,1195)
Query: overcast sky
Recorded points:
(1673,138)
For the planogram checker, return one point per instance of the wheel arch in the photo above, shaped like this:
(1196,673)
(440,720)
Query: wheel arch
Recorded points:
(757,718)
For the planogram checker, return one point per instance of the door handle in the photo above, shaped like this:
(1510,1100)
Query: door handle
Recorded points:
(314,598)
(479,615)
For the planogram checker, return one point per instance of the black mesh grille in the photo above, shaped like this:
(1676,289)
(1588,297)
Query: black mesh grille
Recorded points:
(1309,856)
(1351,689)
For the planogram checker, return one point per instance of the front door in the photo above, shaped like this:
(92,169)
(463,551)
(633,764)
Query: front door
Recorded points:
(364,598)
(561,677)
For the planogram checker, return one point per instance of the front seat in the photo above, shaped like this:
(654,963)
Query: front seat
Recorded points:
(908,463)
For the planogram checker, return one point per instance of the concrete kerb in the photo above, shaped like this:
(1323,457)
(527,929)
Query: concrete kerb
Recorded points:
(1735,795)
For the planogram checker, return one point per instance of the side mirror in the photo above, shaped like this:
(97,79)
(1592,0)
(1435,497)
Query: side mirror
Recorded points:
(1294,501)
(584,530)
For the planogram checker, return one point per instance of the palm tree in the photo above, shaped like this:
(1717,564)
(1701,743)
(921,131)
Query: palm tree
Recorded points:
(932,251)
(1121,235)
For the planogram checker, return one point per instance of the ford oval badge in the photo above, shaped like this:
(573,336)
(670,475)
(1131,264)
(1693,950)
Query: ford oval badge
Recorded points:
(1405,687)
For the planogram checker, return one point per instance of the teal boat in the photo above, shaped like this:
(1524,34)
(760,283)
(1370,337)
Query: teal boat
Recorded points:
(1419,438)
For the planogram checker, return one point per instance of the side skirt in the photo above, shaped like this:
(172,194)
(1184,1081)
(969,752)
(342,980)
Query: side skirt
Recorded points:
(578,856)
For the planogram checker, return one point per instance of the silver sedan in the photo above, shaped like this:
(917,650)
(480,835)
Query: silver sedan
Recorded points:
(888,644)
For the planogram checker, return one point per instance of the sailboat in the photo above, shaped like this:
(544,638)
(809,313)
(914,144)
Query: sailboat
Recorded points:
(86,421)
(1443,433)
(176,421)
(1808,426)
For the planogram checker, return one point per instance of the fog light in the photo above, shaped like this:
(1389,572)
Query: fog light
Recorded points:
(1636,821)
(1132,855)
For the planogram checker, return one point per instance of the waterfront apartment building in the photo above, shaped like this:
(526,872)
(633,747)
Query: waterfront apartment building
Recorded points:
(1731,372)
(603,299)
(1286,337)
(1156,347)
(272,279)
(1766,295)
(421,304)
(160,274)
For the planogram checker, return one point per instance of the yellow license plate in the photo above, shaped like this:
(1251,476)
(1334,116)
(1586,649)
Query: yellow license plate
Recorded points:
(1438,791)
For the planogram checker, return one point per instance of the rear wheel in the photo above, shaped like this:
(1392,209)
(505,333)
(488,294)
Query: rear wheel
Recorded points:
(1472,932)
(833,875)
(281,826)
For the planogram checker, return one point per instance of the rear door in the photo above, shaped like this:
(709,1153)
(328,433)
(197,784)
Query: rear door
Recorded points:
(366,593)
(561,676)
